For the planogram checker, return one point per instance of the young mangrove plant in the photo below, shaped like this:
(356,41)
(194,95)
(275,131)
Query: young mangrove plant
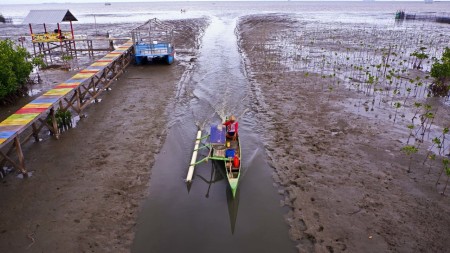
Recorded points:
(419,55)
(447,172)
(446,169)
(64,119)
(397,105)
(411,128)
(409,150)
(431,157)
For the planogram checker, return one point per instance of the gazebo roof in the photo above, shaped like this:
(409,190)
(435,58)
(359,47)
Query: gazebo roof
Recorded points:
(48,17)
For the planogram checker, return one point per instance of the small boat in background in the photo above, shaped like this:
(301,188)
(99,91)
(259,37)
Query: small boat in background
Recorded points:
(107,3)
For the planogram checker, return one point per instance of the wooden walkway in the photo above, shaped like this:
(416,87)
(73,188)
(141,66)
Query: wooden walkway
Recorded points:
(74,94)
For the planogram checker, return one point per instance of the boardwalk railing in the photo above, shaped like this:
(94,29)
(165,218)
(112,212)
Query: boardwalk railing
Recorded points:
(73,94)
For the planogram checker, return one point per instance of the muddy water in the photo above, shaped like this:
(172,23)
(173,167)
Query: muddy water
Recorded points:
(204,217)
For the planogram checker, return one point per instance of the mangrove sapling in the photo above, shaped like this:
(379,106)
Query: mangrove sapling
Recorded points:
(418,87)
(397,105)
(431,117)
(423,119)
(66,59)
(428,121)
(431,157)
(409,151)
(395,92)
(445,131)
(420,56)
(445,167)
(408,91)
(410,127)
(387,60)
(447,172)
(418,106)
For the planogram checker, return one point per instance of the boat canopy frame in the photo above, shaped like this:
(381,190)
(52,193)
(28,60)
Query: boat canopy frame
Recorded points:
(154,30)
(210,156)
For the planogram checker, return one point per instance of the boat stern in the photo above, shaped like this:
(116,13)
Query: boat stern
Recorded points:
(233,185)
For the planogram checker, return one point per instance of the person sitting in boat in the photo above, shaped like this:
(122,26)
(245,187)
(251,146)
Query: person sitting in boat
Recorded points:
(232,128)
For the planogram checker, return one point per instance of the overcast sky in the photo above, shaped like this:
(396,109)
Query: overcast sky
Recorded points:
(102,1)
(111,1)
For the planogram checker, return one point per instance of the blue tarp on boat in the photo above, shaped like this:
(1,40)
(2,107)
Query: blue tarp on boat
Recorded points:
(217,135)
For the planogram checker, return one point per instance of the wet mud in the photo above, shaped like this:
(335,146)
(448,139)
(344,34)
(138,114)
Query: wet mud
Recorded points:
(339,168)
(344,176)
(203,216)
(87,187)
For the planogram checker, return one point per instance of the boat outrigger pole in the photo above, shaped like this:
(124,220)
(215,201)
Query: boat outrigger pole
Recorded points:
(194,157)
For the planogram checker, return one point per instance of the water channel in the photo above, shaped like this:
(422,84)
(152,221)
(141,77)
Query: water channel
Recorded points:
(204,217)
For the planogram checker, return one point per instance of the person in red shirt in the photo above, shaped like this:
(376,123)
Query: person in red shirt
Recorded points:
(232,127)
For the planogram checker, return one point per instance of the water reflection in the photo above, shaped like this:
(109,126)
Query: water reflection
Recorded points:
(218,174)
(200,220)
(215,177)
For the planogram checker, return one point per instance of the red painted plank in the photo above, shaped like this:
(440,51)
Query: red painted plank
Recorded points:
(30,110)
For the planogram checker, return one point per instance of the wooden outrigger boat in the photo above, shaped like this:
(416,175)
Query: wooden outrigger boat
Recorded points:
(220,148)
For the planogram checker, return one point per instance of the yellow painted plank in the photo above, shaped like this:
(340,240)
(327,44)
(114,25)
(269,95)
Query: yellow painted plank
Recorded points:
(22,116)
(43,105)
(82,75)
(100,63)
(63,91)
(19,121)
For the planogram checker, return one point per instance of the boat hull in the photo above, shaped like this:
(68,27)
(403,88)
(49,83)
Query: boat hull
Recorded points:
(228,153)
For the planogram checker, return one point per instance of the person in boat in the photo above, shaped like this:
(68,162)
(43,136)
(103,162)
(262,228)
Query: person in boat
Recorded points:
(232,127)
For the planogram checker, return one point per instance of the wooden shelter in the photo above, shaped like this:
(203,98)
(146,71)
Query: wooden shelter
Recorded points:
(48,39)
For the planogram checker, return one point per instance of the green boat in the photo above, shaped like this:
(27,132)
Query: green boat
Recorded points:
(222,149)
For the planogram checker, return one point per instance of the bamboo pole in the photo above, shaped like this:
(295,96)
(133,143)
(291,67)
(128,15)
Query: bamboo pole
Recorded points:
(54,123)
(194,157)
(21,165)
(35,132)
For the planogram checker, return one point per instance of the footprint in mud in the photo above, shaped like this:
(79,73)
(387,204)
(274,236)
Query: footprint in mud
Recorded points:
(340,244)
(307,243)
(316,216)
(104,154)
(301,225)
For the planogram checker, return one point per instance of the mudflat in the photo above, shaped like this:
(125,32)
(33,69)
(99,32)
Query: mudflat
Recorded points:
(343,172)
(86,188)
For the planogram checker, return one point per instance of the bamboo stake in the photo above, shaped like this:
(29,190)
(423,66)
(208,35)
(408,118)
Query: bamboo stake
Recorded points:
(21,165)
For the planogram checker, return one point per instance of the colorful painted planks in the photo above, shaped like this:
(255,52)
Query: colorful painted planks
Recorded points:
(18,121)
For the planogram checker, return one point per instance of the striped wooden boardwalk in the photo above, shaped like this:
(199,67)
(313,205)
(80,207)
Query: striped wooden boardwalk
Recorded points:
(73,94)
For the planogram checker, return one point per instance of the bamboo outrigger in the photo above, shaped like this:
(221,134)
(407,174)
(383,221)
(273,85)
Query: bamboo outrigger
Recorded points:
(220,148)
